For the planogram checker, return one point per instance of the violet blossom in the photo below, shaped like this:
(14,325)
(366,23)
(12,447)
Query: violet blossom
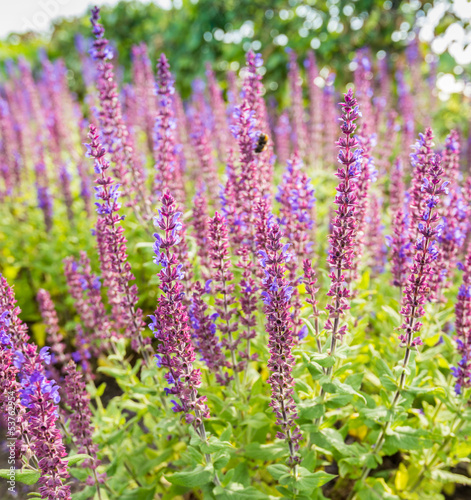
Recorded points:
(40,397)
(400,244)
(114,258)
(276,296)
(85,288)
(344,225)
(115,132)
(168,173)
(170,322)
(54,337)
(80,420)
(207,340)
(462,372)
(315,110)
(297,108)
(425,252)
(296,197)
(223,290)
(13,327)
(221,130)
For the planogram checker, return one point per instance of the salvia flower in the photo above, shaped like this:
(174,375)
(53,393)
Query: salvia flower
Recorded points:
(223,288)
(13,327)
(450,241)
(400,244)
(297,108)
(276,296)
(40,397)
(229,201)
(113,253)
(315,109)
(282,137)
(201,228)
(451,157)
(365,178)
(53,335)
(296,197)
(167,175)
(45,200)
(202,145)
(80,419)
(462,372)
(310,282)
(374,237)
(170,322)
(115,133)
(420,160)
(248,302)
(417,290)
(8,371)
(396,187)
(248,190)
(85,288)
(207,340)
(344,225)
(221,130)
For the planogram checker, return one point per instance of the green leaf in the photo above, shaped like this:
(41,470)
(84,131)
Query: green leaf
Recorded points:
(308,481)
(237,491)
(310,411)
(227,433)
(257,421)
(85,494)
(382,367)
(332,440)
(139,494)
(214,444)
(389,383)
(393,314)
(197,477)
(28,477)
(407,438)
(323,359)
(277,471)
(445,476)
(347,389)
(259,451)
(112,372)
(75,459)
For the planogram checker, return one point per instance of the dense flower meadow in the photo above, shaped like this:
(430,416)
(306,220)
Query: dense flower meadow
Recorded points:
(236,301)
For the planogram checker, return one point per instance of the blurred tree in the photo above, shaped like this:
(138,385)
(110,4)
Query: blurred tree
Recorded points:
(195,31)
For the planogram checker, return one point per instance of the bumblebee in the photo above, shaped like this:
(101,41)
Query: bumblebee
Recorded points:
(261,143)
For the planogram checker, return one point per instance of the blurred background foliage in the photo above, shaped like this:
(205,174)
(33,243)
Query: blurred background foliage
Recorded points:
(221,31)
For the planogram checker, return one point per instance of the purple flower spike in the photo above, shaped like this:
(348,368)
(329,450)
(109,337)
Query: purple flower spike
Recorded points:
(424,253)
(40,397)
(297,108)
(296,196)
(223,288)
(400,252)
(207,340)
(50,319)
(421,161)
(344,225)
(276,296)
(168,173)
(115,133)
(462,372)
(12,326)
(112,250)
(171,324)
(80,418)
